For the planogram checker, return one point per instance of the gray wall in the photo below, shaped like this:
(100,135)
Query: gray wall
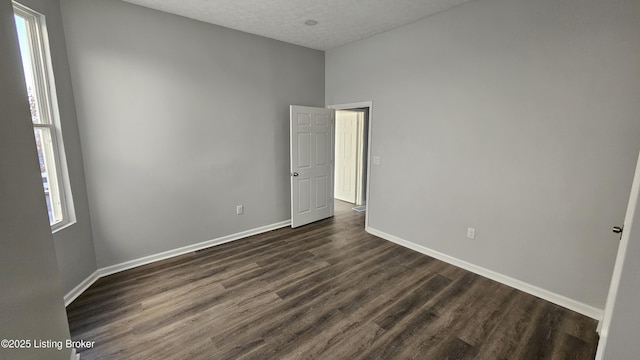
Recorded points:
(74,244)
(31,305)
(516,117)
(180,122)
(622,338)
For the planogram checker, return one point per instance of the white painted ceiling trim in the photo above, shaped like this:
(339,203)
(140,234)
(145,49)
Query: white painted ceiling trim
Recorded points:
(338,21)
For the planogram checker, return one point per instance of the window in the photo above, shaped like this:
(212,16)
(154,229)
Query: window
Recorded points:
(38,77)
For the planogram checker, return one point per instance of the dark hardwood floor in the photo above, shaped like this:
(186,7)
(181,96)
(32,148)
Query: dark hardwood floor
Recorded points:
(327,290)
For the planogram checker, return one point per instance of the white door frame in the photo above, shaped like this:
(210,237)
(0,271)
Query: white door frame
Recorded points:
(618,267)
(369,105)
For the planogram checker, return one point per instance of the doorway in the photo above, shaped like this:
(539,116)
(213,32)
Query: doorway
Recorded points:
(350,156)
(312,161)
(352,125)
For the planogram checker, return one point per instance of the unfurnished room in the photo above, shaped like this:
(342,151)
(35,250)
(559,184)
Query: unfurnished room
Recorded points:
(410,179)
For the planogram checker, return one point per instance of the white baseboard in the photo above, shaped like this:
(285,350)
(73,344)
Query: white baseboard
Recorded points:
(84,285)
(557,299)
(189,248)
(563,301)
(80,288)
(599,328)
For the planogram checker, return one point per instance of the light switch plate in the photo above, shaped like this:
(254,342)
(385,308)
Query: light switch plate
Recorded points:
(471,233)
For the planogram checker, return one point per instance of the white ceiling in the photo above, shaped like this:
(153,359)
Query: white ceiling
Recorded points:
(339,21)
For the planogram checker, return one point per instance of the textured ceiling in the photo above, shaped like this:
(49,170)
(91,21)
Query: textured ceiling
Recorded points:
(339,21)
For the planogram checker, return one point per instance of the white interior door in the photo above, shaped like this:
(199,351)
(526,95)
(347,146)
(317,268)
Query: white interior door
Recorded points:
(346,157)
(311,144)
(361,185)
(621,321)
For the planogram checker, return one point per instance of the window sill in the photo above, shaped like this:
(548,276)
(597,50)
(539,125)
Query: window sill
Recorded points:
(59,227)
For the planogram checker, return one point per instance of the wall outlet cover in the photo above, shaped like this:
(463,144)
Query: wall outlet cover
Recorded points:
(471,233)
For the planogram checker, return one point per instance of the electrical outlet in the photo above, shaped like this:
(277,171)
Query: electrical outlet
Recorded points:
(239,210)
(376,160)
(471,233)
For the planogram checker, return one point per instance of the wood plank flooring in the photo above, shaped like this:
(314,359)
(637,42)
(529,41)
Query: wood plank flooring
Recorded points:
(327,290)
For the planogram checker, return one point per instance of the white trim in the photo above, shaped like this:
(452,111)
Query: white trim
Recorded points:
(47,101)
(80,288)
(609,308)
(84,285)
(354,105)
(189,248)
(563,301)
(557,299)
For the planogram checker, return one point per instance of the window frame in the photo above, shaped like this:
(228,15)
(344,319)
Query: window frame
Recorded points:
(47,105)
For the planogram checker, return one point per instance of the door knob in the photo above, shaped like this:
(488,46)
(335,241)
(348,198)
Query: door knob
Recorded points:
(618,230)
(295,174)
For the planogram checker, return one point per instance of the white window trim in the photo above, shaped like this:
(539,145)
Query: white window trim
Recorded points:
(48,106)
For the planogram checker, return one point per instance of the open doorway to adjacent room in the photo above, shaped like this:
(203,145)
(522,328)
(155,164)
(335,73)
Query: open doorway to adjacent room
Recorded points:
(351,155)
